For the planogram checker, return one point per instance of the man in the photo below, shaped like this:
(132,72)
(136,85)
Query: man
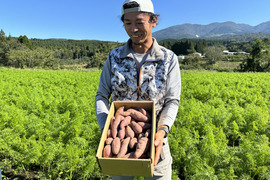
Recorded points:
(143,70)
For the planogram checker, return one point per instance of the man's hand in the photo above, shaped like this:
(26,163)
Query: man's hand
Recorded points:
(159,137)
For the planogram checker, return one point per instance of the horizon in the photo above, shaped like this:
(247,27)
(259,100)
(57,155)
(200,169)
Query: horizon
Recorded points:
(121,42)
(86,20)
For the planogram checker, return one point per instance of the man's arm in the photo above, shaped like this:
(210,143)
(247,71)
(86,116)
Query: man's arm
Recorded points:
(103,95)
(172,97)
(170,109)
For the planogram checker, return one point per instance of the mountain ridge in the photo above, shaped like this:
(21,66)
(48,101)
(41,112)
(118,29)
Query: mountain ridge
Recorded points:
(216,30)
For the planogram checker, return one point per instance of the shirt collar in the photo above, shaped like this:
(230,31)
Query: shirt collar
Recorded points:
(155,51)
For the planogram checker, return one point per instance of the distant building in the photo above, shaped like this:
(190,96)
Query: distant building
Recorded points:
(181,57)
(226,52)
(243,53)
(199,54)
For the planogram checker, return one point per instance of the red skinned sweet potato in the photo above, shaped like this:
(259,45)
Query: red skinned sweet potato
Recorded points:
(122,133)
(124,147)
(109,133)
(129,132)
(133,143)
(115,125)
(140,148)
(121,111)
(141,135)
(116,145)
(109,140)
(136,127)
(112,120)
(107,151)
(137,115)
(144,112)
(125,122)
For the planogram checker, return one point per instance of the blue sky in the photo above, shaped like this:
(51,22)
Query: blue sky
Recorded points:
(100,20)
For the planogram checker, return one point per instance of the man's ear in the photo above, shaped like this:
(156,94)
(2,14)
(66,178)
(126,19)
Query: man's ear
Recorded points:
(154,22)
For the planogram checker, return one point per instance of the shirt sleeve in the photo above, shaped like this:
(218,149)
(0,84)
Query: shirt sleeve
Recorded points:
(103,94)
(172,97)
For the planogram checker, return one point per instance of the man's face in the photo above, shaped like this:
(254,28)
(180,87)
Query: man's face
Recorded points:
(139,27)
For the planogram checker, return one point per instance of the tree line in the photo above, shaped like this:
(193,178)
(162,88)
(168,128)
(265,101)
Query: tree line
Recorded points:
(22,52)
(254,55)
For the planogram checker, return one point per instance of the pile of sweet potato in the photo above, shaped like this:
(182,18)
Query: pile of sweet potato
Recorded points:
(129,134)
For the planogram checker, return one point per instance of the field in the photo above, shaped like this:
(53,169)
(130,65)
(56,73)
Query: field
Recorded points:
(48,128)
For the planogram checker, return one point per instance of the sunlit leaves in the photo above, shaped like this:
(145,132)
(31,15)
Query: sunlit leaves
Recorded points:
(48,123)
(222,128)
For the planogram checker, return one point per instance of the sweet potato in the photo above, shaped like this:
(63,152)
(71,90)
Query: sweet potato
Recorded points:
(112,120)
(140,135)
(121,111)
(133,143)
(137,115)
(145,125)
(144,112)
(116,145)
(122,133)
(115,125)
(136,127)
(109,140)
(125,122)
(140,148)
(107,151)
(109,133)
(129,132)
(124,148)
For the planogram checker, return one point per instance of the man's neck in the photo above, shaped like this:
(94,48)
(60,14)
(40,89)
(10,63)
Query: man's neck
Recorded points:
(142,48)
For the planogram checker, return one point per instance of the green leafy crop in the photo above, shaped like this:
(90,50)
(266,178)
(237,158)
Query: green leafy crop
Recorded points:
(48,127)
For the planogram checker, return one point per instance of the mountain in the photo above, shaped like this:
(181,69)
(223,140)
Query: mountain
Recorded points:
(211,31)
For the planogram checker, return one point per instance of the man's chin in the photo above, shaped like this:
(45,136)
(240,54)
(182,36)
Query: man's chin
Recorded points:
(137,42)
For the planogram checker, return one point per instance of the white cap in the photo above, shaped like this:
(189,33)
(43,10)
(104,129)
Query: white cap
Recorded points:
(144,6)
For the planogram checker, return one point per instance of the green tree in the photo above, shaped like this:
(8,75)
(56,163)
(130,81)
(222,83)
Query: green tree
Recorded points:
(213,54)
(31,58)
(3,36)
(183,47)
(24,40)
(9,38)
(6,46)
(200,45)
(190,47)
(260,57)
(192,61)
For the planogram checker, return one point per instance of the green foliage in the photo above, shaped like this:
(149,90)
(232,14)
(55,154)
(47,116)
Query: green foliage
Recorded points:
(192,62)
(25,53)
(47,124)
(213,54)
(31,58)
(222,128)
(260,57)
(48,128)
(2,36)
(183,47)
(24,40)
